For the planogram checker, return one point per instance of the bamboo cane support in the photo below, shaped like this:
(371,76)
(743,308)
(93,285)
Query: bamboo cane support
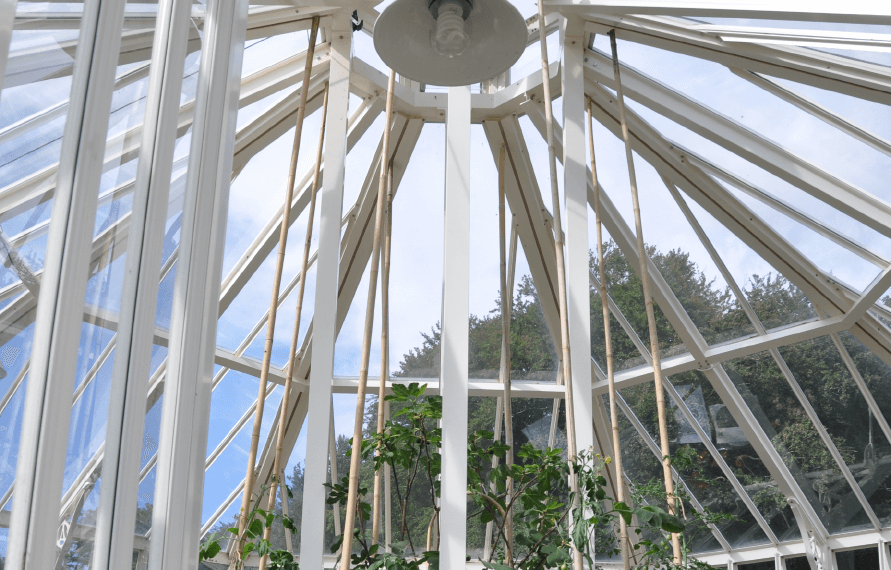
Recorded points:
(388,496)
(490,526)
(578,563)
(505,361)
(651,316)
(611,380)
(499,407)
(276,286)
(332,458)
(385,355)
(295,335)
(352,495)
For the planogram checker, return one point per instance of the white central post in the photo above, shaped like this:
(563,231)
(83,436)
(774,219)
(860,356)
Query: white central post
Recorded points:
(575,186)
(454,343)
(312,532)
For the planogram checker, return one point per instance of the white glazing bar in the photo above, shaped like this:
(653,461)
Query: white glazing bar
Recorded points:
(179,483)
(116,514)
(815,109)
(59,318)
(852,11)
(324,314)
(575,188)
(454,339)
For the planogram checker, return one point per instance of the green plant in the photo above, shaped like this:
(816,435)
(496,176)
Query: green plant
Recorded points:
(545,526)
(655,549)
(252,541)
(409,445)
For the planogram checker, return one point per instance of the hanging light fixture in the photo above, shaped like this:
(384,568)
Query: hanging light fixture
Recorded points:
(450,42)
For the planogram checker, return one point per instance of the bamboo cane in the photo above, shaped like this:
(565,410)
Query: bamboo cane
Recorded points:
(295,335)
(332,458)
(499,407)
(385,355)
(276,286)
(613,407)
(352,495)
(505,362)
(651,316)
(388,495)
(571,449)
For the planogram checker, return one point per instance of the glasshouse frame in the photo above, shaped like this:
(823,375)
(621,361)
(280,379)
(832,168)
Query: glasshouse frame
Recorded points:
(220,149)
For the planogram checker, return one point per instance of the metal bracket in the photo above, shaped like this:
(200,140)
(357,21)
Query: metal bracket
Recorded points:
(818,553)
(66,528)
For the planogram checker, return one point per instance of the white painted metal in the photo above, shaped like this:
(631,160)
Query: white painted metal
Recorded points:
(7,22)
(784,207)
(734,401)
(809,38)
(324,320)
(860,79)
(852,308)
(870,295)
(732,135)
(856,11)
(817,110)
(116,514)
(654,449)
(179,475)
(454,336)
(45,423)
(827,441)
(575,186)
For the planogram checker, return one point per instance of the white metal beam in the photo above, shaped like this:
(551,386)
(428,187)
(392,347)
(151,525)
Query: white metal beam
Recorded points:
(179,474)
(694,341)
(817,110)
(454,336)
(575,187)
(722,130)
(45,423)
(854,12)
(327,269)
(807,38)
(821,69)
(125,424)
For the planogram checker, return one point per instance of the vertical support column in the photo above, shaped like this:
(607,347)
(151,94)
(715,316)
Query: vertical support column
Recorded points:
(179,483)
(575,187)
(325,313)
(7,20)
(455,338)
(884,558)
(136,325)
(40,465)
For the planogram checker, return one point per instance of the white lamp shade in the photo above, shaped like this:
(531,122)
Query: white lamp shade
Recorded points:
(497,40)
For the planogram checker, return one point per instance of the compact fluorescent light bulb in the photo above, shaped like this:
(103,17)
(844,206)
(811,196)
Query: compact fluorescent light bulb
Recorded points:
(451,36)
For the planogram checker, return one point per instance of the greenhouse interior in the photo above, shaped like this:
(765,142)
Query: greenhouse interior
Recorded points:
(423,284)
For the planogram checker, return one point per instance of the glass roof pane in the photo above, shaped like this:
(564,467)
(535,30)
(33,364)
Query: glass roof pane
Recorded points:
(33,111)
(775,301)
(227,472)
(703,475)
(793,435)
(644,474)
(822,375)
(415,266)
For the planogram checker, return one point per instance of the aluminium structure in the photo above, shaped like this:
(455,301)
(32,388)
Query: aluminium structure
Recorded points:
(144,148)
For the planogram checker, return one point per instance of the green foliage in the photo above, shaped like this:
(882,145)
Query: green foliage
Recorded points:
(548,518)
(252,539)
